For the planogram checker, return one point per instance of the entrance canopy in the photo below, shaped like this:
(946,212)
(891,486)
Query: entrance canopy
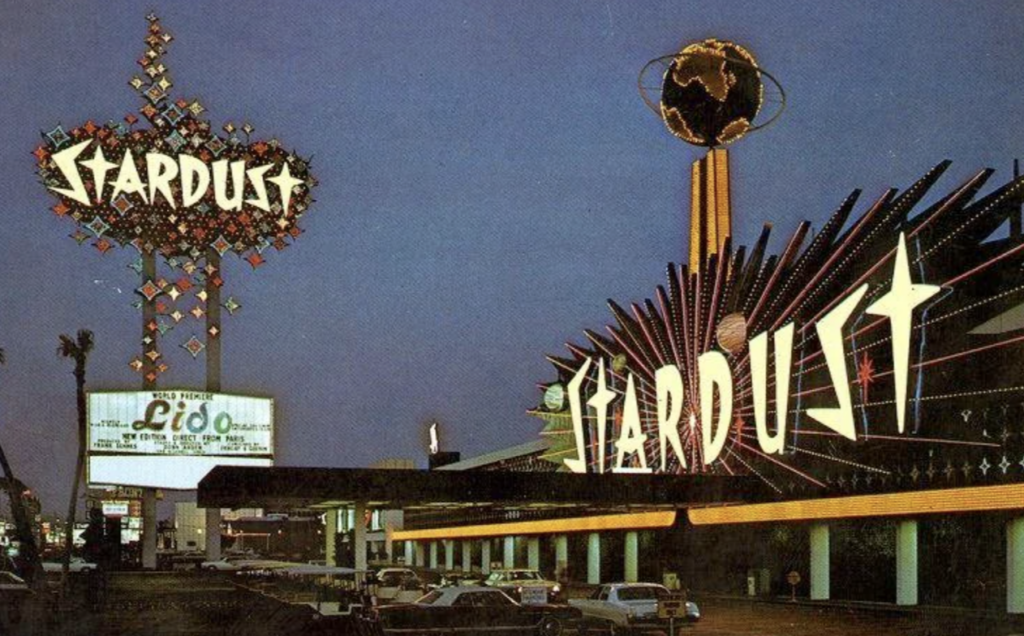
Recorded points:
(325,488)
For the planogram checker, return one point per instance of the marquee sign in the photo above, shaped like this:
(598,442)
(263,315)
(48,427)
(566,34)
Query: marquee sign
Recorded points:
(169,184)
(884,353)
(165,438)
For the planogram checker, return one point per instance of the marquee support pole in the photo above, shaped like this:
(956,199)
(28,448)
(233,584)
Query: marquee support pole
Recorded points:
(213,516)
(149,346)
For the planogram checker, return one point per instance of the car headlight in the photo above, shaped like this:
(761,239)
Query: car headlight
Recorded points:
(556,589)
(519,590)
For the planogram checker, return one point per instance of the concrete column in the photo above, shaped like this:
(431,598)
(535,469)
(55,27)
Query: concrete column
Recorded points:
(1015,566)
(467,556)
(433,555)
(632,557)
(533,553)
(508,552)
(594,558)
(449,555)
(149,529)
(819,562)
(359,536)
(212,534)
(421,557)
(906,562)
(561,556)
(485,556)
(410,553)
(330,531)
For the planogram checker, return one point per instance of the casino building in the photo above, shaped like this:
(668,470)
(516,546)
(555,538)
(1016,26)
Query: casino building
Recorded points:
(927,512)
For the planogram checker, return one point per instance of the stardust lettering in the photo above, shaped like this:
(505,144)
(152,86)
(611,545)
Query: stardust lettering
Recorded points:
(716,380)
(165,175)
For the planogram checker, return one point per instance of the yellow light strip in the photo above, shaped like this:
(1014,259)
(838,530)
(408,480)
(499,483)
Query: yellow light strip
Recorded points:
(723,208)
(696,236)
(632,521)
(710,210)
(927,502)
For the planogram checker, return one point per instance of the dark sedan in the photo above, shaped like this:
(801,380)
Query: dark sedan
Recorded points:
(471,610)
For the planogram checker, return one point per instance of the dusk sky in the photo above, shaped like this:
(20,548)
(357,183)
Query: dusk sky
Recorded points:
(488,175)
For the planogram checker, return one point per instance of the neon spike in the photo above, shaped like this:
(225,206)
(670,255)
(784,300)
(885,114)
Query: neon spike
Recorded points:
(780,463)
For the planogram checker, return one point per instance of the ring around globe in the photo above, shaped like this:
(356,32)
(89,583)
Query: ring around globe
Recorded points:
(711,92)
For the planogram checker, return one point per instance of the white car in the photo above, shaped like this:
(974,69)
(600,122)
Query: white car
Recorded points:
(77,564)
(629,607)
(398,585)
(226,564)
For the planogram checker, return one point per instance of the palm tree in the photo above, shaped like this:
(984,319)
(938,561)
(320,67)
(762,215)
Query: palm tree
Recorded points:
(22,526)
(77,349)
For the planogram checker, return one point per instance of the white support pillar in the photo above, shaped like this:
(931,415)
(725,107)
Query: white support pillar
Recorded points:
(561,556)
(410,553)
(508,552)
(421,557)
(819,562)
(359,536)
(594,558)
(632,557)
(330,531)
(433,555)
(149,529)
(906,562)
(467,556)
(449,555)
(533,553)
(485,556)
(1015,566)
(212,534)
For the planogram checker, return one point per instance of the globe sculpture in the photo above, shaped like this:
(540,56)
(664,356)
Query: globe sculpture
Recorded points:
(711,93)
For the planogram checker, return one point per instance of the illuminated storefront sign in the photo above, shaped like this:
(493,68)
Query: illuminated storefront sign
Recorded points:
(171,438)
(715,378)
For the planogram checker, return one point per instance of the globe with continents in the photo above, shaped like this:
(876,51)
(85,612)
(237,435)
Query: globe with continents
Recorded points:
(711,93)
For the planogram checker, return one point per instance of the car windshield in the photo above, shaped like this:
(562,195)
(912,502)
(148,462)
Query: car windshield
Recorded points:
(641,593)
(430,599)
(394,579)
(524,576)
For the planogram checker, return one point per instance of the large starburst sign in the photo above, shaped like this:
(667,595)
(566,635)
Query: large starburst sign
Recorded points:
(175,187)
(884,352)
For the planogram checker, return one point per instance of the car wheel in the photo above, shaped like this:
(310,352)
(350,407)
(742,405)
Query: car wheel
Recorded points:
(549,626)
(617,630)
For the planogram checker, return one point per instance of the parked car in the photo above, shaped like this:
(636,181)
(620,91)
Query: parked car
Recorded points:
(627,607)
(462,609)
(77,564)
(227,564)
(398,585)
(456,578)
(512,582)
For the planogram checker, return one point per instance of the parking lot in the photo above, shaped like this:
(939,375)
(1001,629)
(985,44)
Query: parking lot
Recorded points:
(173,603)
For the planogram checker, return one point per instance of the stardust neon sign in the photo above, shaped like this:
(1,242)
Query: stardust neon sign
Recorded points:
(898,305)
(167,176)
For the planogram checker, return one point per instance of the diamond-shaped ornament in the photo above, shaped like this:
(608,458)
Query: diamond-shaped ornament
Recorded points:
(232,305)
(136,365)
(194,346)
(198,312)
(149,290)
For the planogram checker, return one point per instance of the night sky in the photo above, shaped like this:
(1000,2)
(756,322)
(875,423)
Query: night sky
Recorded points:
(488,177)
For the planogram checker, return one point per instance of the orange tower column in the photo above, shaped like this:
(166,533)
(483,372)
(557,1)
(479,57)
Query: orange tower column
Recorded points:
(710,206)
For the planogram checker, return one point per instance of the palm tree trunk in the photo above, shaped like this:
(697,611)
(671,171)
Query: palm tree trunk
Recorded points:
(22,526)
(79,469)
